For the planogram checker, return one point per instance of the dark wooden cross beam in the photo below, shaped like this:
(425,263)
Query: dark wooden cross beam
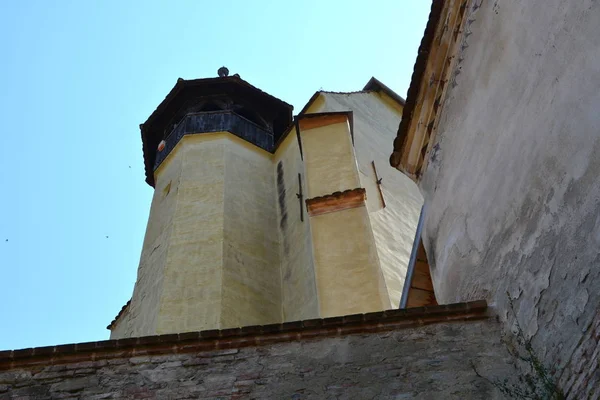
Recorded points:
(300,197)
(378,180)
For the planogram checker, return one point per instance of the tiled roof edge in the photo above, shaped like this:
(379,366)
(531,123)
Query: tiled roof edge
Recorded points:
(112,323)
(336,195)
(243,337)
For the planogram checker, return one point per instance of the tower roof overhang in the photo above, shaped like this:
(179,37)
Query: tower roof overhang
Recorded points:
(185,92)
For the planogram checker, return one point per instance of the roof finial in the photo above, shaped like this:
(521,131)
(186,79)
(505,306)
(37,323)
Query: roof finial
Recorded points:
(223,72)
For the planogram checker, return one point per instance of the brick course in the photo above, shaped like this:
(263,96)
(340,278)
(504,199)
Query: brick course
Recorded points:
(415,353)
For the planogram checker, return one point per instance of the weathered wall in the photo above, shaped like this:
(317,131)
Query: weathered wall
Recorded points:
(191,296)
(211,254)
(512,189)
(376,118)
(427,362)
(142,314)
(251,292)
(299,292)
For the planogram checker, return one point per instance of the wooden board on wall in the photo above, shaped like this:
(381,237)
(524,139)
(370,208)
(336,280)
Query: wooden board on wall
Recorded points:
(421,291)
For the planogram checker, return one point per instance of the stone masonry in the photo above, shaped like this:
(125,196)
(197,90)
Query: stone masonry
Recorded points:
(423,353)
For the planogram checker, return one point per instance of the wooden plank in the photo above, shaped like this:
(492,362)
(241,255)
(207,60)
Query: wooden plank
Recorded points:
(420,298)
(440,62)
(421,277)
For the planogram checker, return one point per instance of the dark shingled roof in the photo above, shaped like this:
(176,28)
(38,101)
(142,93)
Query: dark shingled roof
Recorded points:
(375,85)
(112,323)
(184,91)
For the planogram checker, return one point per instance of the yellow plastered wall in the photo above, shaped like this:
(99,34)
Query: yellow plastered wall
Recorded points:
(251,292)
(376,119)
(348,276)
(299,291)
(211,253)
(329,158)
(142,316)
(191,296)
(225,245)
(349,279)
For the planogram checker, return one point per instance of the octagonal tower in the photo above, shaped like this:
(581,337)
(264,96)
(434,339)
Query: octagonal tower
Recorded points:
(210,257)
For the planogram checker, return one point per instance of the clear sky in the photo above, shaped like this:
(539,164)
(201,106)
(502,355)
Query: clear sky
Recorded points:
(76,80)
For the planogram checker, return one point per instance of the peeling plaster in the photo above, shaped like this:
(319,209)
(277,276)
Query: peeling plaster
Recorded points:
(513,194)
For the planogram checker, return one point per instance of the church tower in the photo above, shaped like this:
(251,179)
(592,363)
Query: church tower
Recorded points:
(256,218)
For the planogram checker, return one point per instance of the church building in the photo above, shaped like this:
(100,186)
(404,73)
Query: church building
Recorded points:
(258,218)
(278,251)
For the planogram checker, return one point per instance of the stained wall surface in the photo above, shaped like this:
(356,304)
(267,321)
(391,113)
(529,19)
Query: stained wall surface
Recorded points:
(376,118)
(299,292)
(512,190)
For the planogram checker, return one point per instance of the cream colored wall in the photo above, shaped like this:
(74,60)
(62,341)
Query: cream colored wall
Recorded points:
(225,246)
(191,297)
(211,253)
(348,275)
(299,291)
(349,278)
(329,159)
(376,120)
(251,292)
(145,302)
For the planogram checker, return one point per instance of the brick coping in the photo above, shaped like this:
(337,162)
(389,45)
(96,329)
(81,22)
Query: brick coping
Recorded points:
(243,337)
(337,201)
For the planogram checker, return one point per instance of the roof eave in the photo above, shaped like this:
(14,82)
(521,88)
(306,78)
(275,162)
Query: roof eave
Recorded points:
(427,89)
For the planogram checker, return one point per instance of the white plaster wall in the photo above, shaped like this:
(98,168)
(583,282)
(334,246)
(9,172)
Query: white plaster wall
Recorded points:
(512,188)
(376,121)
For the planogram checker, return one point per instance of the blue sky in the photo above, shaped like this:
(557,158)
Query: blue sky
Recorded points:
(76,80)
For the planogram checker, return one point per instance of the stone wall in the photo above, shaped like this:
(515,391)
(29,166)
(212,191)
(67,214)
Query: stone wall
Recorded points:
(512,190)
(420,354)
